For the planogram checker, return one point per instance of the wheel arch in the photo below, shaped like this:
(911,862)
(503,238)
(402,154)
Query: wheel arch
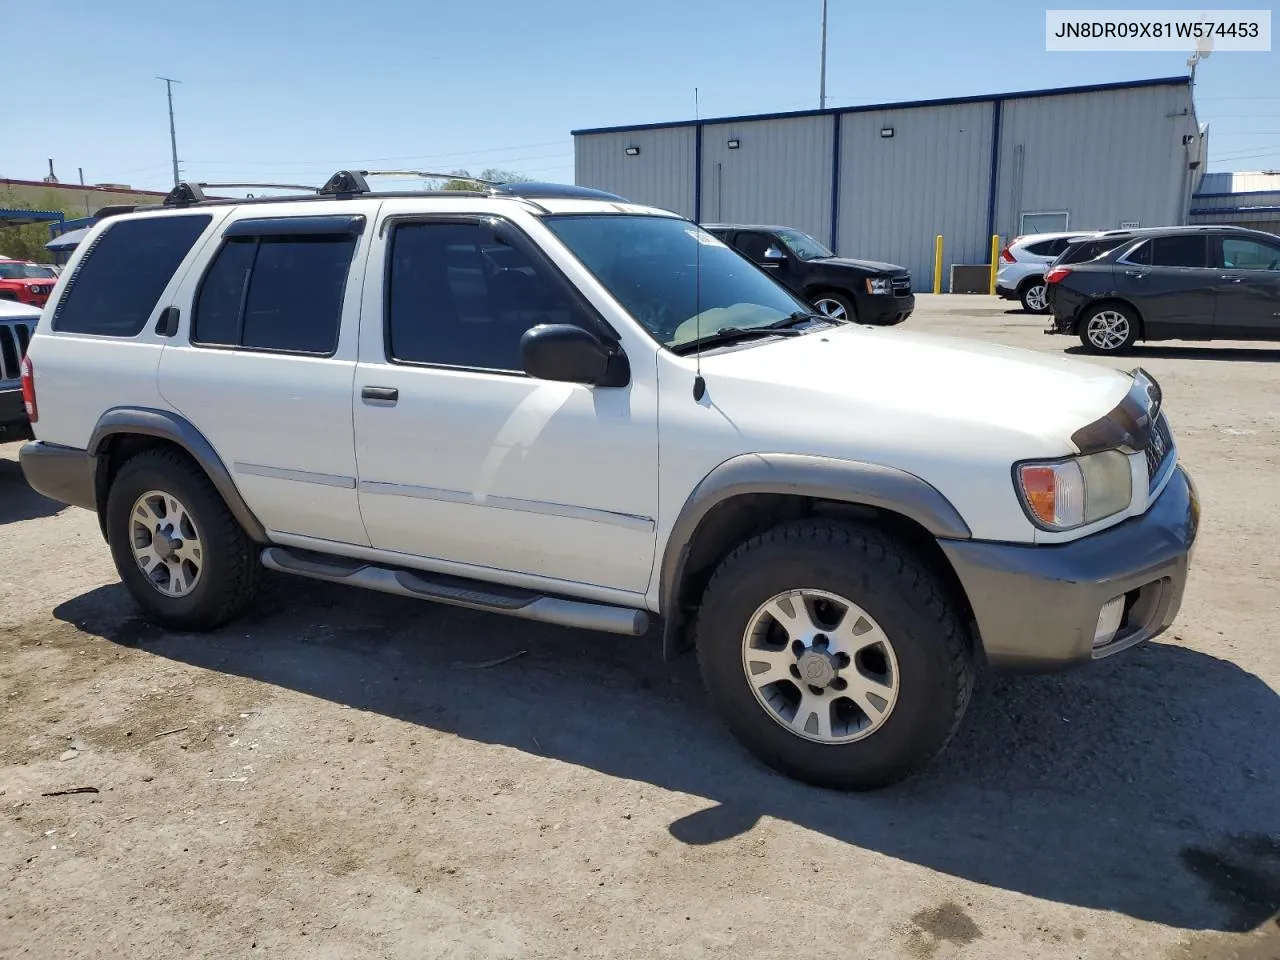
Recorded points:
(123,432)
(751,493)
(1110,300)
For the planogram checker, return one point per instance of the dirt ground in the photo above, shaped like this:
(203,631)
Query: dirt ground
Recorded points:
(335,777)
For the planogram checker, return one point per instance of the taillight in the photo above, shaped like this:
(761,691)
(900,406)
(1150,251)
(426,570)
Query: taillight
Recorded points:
(1057,274)
(1006,256)
(29,390)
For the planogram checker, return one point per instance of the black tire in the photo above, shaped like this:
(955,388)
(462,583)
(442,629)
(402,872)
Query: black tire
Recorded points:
(228,579)
(844,301)
(1095,315)
(1027,293)
(892,585)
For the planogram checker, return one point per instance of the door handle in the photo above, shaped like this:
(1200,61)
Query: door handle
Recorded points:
(1136,274)
(381,394)
(1231,279)
(167,325)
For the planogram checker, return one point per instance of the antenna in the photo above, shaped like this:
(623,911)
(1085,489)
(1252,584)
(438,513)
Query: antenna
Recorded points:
(699,385)
(173,136)
(1204,48)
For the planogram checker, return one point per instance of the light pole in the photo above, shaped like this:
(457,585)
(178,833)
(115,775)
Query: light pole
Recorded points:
(822,83)
(173,137)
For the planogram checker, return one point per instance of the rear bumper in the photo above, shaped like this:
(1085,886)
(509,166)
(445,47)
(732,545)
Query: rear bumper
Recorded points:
(1037,607)
(64,474)
(1006,293)
(1064,308)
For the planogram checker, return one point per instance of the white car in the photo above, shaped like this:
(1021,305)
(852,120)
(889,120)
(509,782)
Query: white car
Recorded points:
(1023,263)
(560,406)
(17,321)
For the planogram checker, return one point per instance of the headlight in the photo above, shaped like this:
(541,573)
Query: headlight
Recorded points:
(1065,494)
(877,284)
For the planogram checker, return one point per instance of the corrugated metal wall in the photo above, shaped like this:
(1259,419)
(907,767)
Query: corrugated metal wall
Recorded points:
(1106,158)
(661,175)
(780,173)
(930,177)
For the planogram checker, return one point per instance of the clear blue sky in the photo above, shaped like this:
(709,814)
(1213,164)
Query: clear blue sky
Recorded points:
(294,89)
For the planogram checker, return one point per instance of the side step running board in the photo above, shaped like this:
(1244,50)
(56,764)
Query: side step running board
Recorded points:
(526,604)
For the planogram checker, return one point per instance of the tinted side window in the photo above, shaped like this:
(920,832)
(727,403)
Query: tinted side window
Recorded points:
(1087,250)
(1045,248)
(1179,251)
(279,293)
(753,245)
(460,295)
(119,281)
(1239,253)
(1140,254)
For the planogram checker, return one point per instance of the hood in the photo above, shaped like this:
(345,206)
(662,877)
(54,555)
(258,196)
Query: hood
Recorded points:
(874,266)
(895,389)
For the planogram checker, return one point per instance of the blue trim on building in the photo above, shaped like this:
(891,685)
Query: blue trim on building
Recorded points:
(835,183)
(697,174)
(1234,193)
(1181,81)
(997,108)
(1205,211)
(28,217)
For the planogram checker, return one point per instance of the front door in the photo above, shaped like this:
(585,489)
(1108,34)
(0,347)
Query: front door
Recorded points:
(1248,287)
(465,459)
(768,253)
(1170,280)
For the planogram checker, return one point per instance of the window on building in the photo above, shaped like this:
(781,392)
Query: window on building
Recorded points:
(461,295)
(1049,222)
(275,293)
(1240,253)
(1178,250)
(120,278)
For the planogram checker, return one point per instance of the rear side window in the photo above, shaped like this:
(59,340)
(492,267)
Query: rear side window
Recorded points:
(1175,251)
(1048,248)
(121,277)
(277,293)
(1091,249)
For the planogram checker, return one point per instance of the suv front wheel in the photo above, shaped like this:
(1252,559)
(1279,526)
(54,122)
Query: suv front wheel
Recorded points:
(834,654)
(180,553)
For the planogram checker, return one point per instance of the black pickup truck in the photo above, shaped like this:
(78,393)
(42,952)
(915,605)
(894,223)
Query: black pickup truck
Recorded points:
(865,291)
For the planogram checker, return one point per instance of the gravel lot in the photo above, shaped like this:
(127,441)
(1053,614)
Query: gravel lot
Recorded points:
(336,777)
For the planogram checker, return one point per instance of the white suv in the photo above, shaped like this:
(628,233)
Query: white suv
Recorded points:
(553,404)
(1023,263)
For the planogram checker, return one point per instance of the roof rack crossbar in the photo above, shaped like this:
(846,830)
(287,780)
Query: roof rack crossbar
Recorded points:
(345,183)
(427,175)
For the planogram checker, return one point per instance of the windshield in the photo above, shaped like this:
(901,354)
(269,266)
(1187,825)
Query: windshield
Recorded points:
(24,271)
(803,245)
(650,264)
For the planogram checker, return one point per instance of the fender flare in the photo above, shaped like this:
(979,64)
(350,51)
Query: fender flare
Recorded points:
(846,481)
(173,427)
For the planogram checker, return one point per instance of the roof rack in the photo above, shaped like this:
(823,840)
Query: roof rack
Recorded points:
(348,184)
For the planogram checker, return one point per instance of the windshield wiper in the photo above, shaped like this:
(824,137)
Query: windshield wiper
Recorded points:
(732,335)
(799,317)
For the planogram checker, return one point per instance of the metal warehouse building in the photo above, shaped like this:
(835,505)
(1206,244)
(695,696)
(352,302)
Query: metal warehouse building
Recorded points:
(882,181)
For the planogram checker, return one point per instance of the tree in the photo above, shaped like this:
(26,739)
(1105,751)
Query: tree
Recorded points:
(460,181)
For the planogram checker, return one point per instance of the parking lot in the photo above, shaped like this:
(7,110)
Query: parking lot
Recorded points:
(346,774)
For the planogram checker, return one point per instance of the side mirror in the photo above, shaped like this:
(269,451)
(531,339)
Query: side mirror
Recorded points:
(773,253)
(569,353)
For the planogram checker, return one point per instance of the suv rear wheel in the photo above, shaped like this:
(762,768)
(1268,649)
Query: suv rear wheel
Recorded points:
(834,654)
(180,553)
(1034,295)
(1108,328)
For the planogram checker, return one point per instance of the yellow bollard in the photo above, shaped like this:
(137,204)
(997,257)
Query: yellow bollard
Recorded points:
(937,264)
(995,261)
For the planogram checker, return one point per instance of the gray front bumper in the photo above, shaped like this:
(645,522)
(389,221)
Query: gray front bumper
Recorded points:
(1037,606)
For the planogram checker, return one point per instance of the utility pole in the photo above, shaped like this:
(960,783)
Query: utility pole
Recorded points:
(822,84)
(173,137)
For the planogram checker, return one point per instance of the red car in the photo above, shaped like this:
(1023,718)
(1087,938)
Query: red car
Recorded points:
(29,283)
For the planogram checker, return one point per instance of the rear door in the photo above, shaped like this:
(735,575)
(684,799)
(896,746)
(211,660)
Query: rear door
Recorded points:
(1248,288)
(262,365)
(1172,284)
